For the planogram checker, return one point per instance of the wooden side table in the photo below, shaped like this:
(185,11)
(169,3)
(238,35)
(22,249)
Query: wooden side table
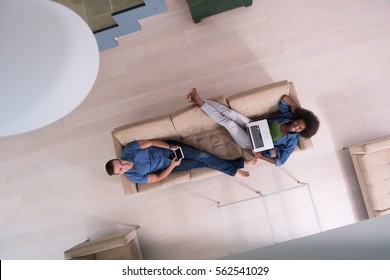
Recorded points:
(204,8)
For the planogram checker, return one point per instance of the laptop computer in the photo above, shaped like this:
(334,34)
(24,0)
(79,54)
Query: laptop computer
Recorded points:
(260,135)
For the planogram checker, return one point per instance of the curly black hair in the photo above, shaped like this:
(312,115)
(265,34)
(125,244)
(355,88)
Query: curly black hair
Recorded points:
(311,120)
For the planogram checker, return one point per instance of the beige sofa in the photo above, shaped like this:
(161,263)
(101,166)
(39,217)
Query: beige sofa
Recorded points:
(371,161)
(192,126)
(119,246)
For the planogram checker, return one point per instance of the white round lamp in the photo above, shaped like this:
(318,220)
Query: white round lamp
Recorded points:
(49,61)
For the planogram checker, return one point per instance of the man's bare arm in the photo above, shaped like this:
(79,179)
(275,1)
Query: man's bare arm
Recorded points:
(153,178)
(144,144)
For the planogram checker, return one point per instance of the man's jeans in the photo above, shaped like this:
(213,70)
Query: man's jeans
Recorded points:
(195,158)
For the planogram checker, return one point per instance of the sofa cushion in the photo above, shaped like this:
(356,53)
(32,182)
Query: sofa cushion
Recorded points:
(192,120)
(174,178)
(215,141)
(198,174)
(154,128)
(259,101)
(375,169)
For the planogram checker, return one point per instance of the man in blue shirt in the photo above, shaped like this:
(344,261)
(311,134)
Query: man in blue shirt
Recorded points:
(150,161)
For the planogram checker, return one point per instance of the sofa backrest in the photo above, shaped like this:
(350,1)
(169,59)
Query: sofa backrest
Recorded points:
(192,120)
(155,128)
(259,101)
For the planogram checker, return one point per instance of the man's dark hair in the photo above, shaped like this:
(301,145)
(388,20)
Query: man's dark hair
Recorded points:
(311,120)
(110,167)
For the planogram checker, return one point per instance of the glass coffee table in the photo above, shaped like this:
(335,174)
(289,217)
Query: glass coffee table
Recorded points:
(266,219)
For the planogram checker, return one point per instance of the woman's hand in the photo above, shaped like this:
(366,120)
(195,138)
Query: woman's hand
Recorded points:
(258,155)
(261,156)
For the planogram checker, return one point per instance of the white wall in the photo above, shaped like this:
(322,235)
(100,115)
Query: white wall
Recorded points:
(369,239)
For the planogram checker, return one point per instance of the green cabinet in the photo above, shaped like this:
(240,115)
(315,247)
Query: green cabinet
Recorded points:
(204,8)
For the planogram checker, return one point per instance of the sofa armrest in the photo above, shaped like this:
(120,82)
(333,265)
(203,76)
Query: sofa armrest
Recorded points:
(371,146)
(95,246)
(292,92)
(118,147)
(129,187)
(303,143)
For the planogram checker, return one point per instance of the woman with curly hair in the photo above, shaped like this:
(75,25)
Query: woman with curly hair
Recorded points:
(291,122)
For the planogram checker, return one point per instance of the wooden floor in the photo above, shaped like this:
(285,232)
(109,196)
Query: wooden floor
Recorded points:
(54,192)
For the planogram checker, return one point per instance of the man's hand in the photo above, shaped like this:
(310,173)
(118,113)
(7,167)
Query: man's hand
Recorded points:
(173,148)
(153,178)
(175,162)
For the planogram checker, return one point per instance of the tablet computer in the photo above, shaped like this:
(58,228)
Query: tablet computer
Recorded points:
(179,153)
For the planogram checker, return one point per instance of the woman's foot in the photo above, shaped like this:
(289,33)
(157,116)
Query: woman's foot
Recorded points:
(193,97)
(243,173)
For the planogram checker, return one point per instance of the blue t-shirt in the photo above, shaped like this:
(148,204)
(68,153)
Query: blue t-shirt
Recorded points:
(285,145)
(152,160)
